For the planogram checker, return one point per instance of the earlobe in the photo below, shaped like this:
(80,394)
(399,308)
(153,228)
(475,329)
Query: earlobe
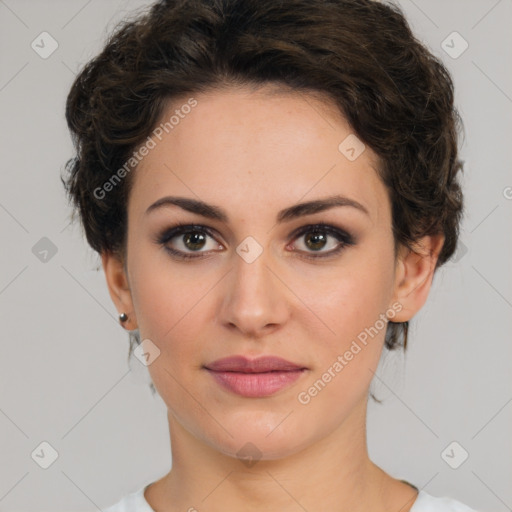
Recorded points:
(414,275)
(119,288)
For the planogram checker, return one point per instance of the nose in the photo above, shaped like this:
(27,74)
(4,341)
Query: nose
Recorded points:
(255,298)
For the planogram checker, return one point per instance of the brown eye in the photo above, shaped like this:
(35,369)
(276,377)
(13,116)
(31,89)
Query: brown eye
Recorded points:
(316,240)
(194,240)
(184,240)
(321,236)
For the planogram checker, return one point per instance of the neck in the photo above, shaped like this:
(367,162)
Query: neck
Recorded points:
(332,474)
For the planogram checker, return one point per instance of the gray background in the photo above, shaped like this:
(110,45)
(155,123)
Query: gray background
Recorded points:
(64,373)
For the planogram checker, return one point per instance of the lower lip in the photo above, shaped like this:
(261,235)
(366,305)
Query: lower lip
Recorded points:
(256,385)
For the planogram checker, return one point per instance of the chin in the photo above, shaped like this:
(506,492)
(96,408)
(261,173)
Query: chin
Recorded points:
(262,441)
(254,449)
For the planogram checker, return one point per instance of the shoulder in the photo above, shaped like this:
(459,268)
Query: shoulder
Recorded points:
(133,502)
(427,503)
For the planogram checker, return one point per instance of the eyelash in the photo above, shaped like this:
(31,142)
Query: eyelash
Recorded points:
(344,238)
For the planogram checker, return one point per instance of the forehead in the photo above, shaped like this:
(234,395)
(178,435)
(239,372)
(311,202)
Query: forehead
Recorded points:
(251,150)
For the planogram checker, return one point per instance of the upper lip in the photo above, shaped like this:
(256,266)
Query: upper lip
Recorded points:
(259,365)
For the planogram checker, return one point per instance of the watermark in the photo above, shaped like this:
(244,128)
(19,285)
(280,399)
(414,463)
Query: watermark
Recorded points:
(351,147)
(146,352)
(507,192)
(44,454)
(44,249)
(454,455)
(44,45)
(249,454)
(454,45)
(304,397)
(249,249)
(137,156)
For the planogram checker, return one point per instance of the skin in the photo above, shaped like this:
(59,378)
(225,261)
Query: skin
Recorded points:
(254,153)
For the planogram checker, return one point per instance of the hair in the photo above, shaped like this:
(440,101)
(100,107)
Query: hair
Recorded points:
(360,54)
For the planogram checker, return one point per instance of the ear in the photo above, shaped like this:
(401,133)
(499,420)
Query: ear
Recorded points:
(414,275)
(118,287)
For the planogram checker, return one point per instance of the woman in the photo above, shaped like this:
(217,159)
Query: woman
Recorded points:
(271,187)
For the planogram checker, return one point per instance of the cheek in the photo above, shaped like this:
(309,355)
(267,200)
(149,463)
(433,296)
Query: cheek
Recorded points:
(172,315)
(353,305)
(345,361)
(169,308)
(354,299)
(174,311)
(164,295)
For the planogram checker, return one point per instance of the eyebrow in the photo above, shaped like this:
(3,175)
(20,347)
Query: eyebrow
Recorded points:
(298,210)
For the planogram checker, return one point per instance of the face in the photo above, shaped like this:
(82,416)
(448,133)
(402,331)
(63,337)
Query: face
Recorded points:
(251,281)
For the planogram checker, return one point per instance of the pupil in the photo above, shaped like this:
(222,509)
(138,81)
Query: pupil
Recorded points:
(196,240)
(315,243)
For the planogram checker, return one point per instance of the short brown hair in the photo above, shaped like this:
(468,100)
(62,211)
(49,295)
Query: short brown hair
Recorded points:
(397,97)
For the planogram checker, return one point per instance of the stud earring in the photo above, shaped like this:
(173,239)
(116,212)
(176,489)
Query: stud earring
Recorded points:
(123,317)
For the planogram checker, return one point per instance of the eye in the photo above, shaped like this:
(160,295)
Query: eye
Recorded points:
(183,240)
(316,238)
(189,237)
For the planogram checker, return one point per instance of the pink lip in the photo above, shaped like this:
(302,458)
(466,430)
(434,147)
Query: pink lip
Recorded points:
(254,378)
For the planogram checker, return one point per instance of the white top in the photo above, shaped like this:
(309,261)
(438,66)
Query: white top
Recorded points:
(135,502)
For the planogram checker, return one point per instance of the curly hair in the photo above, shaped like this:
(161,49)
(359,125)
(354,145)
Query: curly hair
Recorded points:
(361,54)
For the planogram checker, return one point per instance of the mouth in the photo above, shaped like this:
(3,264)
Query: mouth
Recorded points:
(254,378)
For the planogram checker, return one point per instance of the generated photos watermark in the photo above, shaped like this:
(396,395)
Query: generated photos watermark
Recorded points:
(305,397)
(138,156)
